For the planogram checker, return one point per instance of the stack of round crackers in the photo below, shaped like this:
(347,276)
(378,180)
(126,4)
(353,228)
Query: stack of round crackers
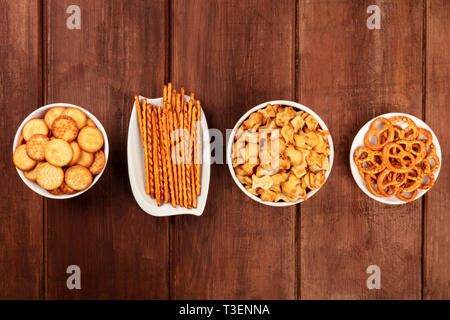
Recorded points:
(62,152)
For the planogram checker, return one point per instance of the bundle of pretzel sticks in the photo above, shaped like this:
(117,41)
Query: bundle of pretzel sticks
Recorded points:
(171,138)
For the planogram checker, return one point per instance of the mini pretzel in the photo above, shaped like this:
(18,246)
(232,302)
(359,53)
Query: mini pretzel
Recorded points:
(368,161)
(414,179)
(387,129)
(428,136)
(433,156)
(416,147)
(410,132)
(370,180)
(430,183)
(404,161)
(401,195)
(391,181)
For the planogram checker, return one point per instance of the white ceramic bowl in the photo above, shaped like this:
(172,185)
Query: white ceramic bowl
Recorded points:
(359,142)
(297,106)
(40,113)
(136,169)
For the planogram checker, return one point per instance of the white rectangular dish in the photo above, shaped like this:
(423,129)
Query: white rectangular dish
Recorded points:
(136,168)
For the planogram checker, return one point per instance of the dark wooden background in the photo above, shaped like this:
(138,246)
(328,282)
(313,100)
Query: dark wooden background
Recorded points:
(233,54)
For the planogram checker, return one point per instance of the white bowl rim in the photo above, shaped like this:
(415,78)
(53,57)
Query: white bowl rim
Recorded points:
(354,170)
(298,106)
(34,115)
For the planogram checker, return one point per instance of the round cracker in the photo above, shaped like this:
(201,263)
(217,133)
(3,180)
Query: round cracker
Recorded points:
(76,153)
(35,147)
(78,177)
(66,189)
(34,126)
(52,114)
(99,163)
(86,159)
(90,123)
(77,115)
(90,139)
(58,153)
(49,177)
(31,174)
(21,159)
(65,127)
(56,192)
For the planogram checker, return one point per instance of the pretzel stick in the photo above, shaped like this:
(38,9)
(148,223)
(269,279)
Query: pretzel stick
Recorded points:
(144,124)
(194,196)
(160,157)
(156,156)
(165,100)
(176,133)
(150,153)
(198,149)
(182,98)
(191,155)
(183,154)
(187,148)
(163,144)
(169,93)
(167,116)
(139,116)
(172,154)
(179,149)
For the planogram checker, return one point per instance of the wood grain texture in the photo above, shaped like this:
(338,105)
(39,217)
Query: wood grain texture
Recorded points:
(119,51)
(233,55)
(349,74)
(437,202)
(21,210)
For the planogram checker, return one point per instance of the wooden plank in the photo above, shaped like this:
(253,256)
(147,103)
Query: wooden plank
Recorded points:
(233,55)
(119,51)
(21,210)
(437,203)
(348,74)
